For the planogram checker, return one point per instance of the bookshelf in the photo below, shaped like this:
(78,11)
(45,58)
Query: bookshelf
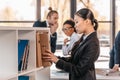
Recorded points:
(9,37)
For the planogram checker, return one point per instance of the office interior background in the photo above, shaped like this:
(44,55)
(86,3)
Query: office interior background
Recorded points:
(23,13)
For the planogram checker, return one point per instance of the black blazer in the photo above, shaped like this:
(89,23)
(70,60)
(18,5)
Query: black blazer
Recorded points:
(53,38)
(81,63)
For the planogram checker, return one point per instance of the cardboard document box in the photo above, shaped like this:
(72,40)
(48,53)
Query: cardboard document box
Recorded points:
(43,43)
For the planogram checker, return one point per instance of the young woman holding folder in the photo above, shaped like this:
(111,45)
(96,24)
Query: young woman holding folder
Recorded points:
(85,52)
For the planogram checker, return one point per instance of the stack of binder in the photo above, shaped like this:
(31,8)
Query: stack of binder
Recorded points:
(23,53)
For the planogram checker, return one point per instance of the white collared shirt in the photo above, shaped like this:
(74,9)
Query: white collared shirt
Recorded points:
(48,26)
(66,49)
(85,36)
(47,23)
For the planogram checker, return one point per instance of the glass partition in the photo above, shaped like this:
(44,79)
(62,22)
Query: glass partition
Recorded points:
(99,8)
(17,10)
(117,16)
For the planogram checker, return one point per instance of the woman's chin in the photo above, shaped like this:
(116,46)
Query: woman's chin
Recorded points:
(79,32)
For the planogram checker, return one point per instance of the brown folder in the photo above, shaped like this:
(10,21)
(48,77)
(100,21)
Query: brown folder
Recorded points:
(45,44)
(38,51)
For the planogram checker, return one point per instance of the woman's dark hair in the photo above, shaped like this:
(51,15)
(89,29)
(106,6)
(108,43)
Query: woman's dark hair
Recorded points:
(70,22)
(86,13)
(51,12)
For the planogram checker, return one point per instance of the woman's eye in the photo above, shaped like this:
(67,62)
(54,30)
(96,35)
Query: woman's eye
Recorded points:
(76,22)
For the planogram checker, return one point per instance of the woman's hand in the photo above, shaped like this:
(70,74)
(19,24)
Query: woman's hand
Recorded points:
(116,67)
(66,40)
(49,56)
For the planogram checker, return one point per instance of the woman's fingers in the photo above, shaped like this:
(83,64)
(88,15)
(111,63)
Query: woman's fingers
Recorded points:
(46,58)
(49,56)
(48,51)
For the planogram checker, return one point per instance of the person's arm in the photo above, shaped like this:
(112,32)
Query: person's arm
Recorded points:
(117,52)
(89,57)
(67,49)
(49,56)
(36,23)
(117,48)
(85,63)
(67,59)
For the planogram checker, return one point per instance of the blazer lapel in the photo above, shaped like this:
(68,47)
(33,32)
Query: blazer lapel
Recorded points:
(78,50)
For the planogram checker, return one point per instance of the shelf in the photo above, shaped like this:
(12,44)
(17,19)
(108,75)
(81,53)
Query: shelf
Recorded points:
(11,77)
(42,74)
(25,72)
(24,28)
(9,37)
(41,68)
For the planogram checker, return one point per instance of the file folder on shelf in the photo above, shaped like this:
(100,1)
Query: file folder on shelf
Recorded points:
(23,53)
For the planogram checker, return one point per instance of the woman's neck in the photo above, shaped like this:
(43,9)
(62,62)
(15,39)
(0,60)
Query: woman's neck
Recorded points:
(89,30)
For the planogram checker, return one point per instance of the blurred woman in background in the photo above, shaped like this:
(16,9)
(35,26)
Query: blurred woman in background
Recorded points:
(69,30)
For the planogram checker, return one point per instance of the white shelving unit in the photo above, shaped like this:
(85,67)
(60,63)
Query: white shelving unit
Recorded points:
(9,54)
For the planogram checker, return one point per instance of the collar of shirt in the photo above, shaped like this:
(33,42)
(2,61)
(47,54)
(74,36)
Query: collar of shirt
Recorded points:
(48,26)
(73,35)
(85,36)
(47,23)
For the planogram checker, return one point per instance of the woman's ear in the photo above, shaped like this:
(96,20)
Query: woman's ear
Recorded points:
(87,21)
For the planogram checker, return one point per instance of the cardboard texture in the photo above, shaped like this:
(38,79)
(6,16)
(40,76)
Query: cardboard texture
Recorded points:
(43,43)
(38,51)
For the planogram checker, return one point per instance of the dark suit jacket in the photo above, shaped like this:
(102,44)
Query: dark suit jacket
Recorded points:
(115,52)
(53,38)
(81,63)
